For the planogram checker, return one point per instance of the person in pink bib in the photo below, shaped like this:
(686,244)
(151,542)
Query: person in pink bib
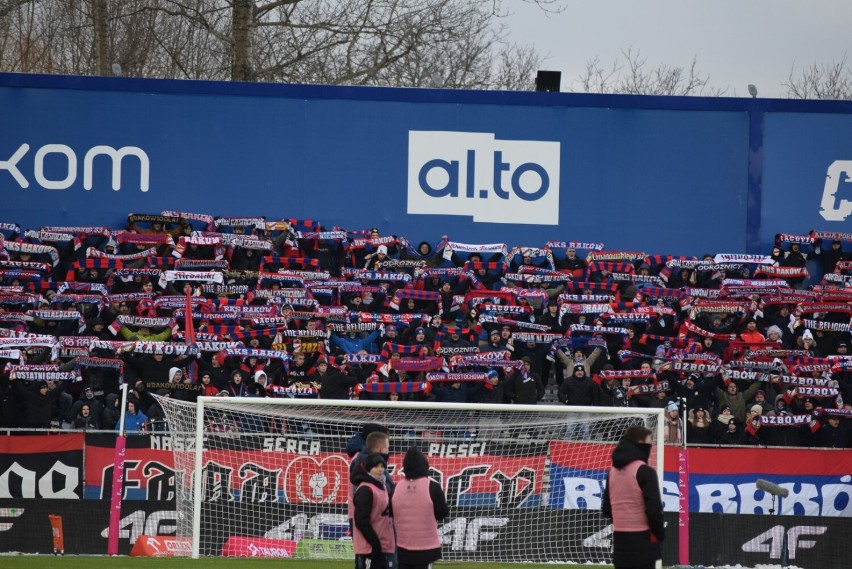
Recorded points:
(373,539)
(632,499)
(418,505)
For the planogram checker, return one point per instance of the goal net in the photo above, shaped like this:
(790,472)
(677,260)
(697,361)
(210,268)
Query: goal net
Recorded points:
(269,477)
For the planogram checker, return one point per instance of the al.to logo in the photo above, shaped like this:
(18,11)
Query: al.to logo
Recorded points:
(475,174)
(837,179)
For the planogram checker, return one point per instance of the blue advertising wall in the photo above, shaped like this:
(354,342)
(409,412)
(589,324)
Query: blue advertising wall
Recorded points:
(659,174)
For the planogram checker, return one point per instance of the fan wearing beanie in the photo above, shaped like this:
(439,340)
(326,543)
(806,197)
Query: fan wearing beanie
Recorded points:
(673,428)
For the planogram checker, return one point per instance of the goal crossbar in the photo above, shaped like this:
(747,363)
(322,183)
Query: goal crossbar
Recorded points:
(559,433)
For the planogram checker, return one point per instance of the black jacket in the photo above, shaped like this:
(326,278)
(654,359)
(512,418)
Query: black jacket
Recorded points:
(525,391)
(333,383)
(39,407)
(416,466)
(579,391)
(637,548)
(363,501)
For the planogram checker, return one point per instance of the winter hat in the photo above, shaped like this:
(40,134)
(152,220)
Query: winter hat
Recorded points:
(722,410)
(672,406)
(370,428)
(774,329)
(382,249)
(373,459)
(415,464)
(807,335)
(495,332)
(420,330)
(757,409)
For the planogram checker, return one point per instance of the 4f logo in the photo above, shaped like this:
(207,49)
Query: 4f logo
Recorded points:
(772,540)
(838,178)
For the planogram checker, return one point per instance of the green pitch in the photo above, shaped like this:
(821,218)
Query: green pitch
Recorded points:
(80,562)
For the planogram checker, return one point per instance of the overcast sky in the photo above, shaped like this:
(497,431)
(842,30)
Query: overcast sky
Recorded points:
(736,42)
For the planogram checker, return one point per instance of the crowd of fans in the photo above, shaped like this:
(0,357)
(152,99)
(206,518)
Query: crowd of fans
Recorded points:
(753,348)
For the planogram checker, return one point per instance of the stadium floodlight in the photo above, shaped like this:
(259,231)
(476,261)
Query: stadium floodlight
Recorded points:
(269,476)
(752,90)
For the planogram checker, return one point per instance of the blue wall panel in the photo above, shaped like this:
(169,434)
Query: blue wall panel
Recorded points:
(799,150)
(663,175)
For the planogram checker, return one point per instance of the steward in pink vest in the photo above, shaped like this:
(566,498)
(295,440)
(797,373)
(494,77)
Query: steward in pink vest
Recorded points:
(373,537)
(418,505)
(632,499)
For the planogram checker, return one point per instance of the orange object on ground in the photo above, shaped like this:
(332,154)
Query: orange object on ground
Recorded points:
(58,534)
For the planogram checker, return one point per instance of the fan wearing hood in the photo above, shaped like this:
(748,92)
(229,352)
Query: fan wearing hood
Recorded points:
(632,499)
(177,377)
(418,505)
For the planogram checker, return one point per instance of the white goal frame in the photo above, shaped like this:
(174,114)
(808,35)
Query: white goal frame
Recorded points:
(217,402)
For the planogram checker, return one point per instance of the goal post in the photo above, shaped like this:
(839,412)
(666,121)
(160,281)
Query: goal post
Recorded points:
(269,477)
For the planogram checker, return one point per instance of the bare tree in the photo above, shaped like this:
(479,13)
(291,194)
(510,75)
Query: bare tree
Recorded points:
(9,6)
(452,43)
(631,75)
(830,81)
(99,17)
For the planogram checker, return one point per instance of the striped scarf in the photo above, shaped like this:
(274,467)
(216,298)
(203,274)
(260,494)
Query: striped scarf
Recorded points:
(648,388)
(692,328)
(393,387)
(107,363)
(75,346)
(611,267)
(140,321)
(631,374)
(579,286)
(416,364)
(684,367)
(46,372)
(420,295)
(243,353)
(289,262)
(457,377)
(606,330)
(415,350)
(575,343)
(59,315)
